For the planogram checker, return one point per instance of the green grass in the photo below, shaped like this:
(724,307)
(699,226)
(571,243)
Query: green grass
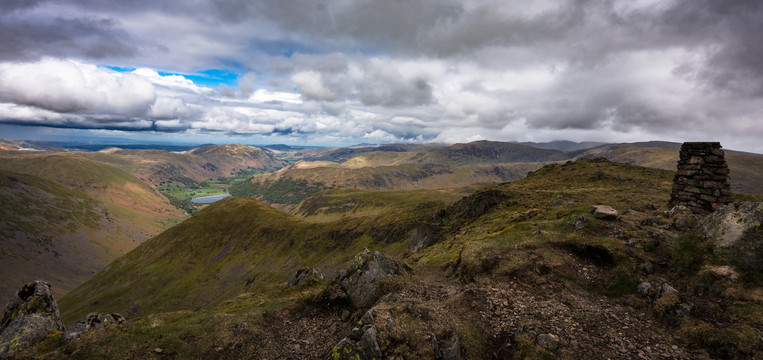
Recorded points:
(184,193)
(231,261)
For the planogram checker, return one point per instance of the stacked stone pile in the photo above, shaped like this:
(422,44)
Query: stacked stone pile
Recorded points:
(701,182)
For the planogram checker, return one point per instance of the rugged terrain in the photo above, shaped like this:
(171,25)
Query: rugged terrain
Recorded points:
(398,167)
(67,217)
(519,270)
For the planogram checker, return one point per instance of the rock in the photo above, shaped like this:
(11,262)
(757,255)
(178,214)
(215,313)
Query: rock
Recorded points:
(647,267)
(644,290)
(93,321)
(736,234)
(578,223)
(30,314)
(360,343)
(452,352)
(604,212)
(651,291)
(361,280)
(305,274)
(548,341)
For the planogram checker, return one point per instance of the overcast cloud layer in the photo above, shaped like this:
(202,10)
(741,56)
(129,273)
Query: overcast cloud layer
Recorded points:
(350,71)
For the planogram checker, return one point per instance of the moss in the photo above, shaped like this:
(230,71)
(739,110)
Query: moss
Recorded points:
(690,252)
(666,303)
(739,338)
(625,281)
(51,342)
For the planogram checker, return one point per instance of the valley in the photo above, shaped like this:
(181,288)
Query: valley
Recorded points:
(492,249)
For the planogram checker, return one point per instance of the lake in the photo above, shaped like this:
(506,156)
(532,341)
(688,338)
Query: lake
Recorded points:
(209,199)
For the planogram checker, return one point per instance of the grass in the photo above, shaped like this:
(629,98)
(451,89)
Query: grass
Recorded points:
(231,261)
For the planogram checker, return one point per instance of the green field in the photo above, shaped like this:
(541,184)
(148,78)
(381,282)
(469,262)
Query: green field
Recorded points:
(180,193)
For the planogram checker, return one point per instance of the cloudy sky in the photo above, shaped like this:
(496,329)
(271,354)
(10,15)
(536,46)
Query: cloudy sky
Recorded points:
(374,71)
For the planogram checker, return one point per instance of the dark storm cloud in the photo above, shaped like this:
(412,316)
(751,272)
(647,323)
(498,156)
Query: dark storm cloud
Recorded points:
(27,37)
(729,31)
(386,70)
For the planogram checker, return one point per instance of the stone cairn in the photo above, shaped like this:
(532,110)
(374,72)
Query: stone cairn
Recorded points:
(701,182)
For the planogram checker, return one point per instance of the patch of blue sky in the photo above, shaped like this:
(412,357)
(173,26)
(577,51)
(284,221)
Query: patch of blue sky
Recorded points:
(208,78)
(119,68)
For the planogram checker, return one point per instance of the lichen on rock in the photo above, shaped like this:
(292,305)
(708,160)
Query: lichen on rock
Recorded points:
(28,317)
(305,275)
(736,234)
(360,343)
(93,321)
(361,279)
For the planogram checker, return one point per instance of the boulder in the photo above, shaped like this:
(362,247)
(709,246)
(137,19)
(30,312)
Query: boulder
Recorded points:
(665,301)
(305,274)
(604,212)
(93,321)
(361,280)
(736,234)
(548,341)
(651,291)
(449,350)
(360,343)
(30,314)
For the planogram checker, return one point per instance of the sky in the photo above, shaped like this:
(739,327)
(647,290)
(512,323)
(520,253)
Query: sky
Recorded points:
(377,71)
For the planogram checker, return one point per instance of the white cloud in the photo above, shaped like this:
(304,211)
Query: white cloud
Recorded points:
(67,86)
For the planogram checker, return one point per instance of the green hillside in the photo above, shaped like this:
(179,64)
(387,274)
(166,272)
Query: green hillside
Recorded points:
(291,185)
(67,217)
(506,264)
(746,169)
(234,245)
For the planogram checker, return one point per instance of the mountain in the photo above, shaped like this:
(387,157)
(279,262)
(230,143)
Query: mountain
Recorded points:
(344,154)
(49,231)
(485,152)
(394,167)
(6,144)
(67,216)
(158,167)
(563,145)
(746,168)
(288,186)
(234,245)
(514,271)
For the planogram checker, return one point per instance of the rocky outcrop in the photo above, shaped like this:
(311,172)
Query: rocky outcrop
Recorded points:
(93,321)
(665,300)
(28,318)
(449,350)
(360,343)
(736,234)
(361,280)
(305,275)
(548,341)
(604,212)
(701,182)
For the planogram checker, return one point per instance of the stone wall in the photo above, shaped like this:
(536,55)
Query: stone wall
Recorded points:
(701,182)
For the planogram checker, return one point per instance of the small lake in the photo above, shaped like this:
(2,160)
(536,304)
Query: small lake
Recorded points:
(209,199)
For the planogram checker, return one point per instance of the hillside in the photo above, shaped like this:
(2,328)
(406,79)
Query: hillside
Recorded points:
(71,216)
(334,154)
(521,270)
(232,246)
(64,250)
(398,167)
(491,152)
(746,169)
(7,144)
(289,186)
(159,167)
